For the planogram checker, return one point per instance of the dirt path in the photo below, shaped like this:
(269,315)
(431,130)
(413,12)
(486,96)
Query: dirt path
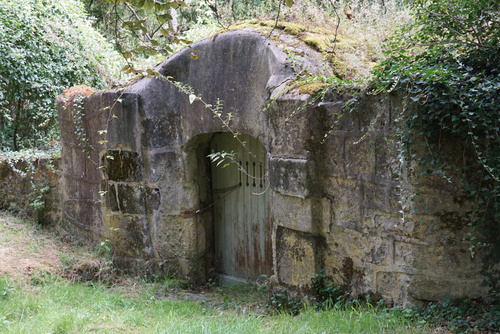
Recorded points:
(26,249)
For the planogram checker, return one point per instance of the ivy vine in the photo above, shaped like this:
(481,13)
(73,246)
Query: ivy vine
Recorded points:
(447,65)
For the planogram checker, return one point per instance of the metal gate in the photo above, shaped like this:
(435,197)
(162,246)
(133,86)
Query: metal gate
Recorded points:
(243,248)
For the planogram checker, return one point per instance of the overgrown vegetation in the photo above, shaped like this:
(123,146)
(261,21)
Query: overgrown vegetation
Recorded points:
(59,291)
(446,64)
(51,46)
(458,316)
(46,46)
(33,166)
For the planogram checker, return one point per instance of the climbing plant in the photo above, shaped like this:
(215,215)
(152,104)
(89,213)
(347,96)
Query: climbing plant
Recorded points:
(45,47)
(446,64)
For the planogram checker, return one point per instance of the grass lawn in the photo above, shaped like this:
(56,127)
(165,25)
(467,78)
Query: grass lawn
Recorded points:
(38,296)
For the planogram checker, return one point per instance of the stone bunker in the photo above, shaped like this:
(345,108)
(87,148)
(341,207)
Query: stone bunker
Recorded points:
(304,189)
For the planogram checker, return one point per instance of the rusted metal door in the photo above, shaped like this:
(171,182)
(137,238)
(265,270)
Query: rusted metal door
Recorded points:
(242,231)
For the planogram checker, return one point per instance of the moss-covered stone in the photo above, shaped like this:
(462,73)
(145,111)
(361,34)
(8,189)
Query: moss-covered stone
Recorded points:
(123,166)
(319,42)
(312,88)
(348,58)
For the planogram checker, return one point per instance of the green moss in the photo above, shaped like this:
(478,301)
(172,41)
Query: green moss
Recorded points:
(321,43)
(312,88)
(341,53)
(290,28)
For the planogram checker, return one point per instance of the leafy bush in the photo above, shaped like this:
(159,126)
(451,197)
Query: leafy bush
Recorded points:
(46,46)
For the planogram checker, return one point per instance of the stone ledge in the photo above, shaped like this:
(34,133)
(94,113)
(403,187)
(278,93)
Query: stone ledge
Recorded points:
(292,177)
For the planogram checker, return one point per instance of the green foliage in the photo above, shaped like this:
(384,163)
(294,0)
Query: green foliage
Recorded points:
(5,289)
(281,301)
(143,31)
(32,165)
(326,293)
(46,46)
(230,11)
(55,303)
(459,316)
(447,64)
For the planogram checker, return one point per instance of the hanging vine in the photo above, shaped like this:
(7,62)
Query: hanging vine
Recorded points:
(447,65)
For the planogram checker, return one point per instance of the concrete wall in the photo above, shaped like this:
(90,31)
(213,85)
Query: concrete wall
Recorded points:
(341,197)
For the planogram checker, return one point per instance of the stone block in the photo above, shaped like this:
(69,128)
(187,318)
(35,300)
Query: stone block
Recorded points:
(435,288)
(292,212)
(83,218)
(130,236)
(347,242)
(375,196)
(290,128)
(322,215)
(131,199)
(197,119)
(361,247)
(153,199)
(359,156)
(298,255)
(157,97)
(167,167)
(392,286)
(346,202)
(379,252)
(436,203)
(404,254)
(177,237)
(393,224)
(386,158)
(80,188)
(398,195)
(161,131)
(447,256)
(333,158)
(374,114)
(292,177)
(122,127)
(176,199)
(123,166)
(112,198)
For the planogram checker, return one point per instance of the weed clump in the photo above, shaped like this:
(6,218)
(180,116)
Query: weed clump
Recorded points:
(92,271)
(282,301)
(326,293)
(460,315)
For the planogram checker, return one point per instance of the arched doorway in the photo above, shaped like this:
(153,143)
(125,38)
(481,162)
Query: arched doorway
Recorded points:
(242,232)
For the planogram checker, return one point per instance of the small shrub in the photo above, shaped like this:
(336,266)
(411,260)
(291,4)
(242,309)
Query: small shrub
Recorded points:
(281,301)
(326,293)
(461,315)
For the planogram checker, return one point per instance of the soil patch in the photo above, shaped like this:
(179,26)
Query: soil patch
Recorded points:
(25,249)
